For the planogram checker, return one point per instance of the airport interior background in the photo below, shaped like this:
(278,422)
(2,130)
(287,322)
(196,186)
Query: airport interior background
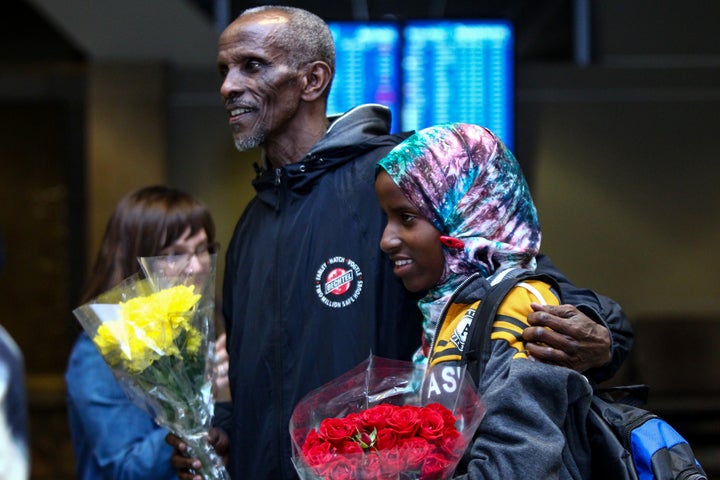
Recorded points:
(616,112)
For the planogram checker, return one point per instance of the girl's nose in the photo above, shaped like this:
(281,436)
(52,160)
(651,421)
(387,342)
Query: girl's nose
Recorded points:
(193,265)
(389,240)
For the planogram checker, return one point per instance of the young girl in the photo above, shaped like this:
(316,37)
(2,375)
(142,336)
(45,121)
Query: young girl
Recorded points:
(112,438)
(460,215)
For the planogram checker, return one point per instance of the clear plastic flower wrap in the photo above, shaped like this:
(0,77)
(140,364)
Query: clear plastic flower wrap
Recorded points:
(386,419)
(155,331)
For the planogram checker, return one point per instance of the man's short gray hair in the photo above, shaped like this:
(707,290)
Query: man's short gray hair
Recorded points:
(307,37)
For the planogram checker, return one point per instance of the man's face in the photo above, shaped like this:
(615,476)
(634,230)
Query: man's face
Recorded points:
(260,88)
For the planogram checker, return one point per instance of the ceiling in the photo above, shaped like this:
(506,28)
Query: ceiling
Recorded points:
(184,32)
(176,31)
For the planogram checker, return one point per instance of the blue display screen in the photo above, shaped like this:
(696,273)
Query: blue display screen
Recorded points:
(427,72)
(458,71)
(367,67)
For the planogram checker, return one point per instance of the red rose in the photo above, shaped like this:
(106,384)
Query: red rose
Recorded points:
(404,420)
(340,468)
(371,466)
(348,448)
(336,430)
(386,438)
(432,424)
(452,444)
(353,418)
(391,461)
(318,454)
(366,439)
(375,417)
(414,450)
(447,415)
(434,466)
(372,469)
(312,440)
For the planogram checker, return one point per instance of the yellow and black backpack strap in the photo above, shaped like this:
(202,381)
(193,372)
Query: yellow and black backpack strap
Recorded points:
(477,351)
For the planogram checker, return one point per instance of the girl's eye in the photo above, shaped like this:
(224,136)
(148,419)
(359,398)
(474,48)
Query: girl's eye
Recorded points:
(407,217)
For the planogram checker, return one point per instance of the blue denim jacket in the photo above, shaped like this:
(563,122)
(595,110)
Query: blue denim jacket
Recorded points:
(112,438)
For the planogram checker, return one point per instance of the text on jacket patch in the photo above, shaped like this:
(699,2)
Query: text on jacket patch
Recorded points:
(443,379)
(338,282)
(459,335)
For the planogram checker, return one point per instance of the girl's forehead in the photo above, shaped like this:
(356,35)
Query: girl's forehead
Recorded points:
(188,237)
(388,191)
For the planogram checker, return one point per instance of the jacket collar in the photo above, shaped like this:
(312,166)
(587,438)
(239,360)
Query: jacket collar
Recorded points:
(349,135)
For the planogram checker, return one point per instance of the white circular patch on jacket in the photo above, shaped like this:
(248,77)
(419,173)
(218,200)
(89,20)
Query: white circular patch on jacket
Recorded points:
(338,282)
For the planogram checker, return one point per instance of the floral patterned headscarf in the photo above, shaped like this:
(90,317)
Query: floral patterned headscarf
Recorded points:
(464,180)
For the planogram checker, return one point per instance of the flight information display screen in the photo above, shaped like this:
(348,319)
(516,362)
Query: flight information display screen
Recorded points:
(427,72)
(458,71)
(367,67)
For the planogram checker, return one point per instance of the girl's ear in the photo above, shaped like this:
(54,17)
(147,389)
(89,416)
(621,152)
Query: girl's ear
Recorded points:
(316,80)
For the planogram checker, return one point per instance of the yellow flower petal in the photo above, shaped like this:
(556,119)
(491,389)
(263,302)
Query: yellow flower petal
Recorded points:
(148,328)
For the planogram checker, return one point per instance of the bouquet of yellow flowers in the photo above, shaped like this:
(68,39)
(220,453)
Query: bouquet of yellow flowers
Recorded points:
(156,332)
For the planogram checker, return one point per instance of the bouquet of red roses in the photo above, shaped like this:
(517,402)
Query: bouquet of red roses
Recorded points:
(386,419)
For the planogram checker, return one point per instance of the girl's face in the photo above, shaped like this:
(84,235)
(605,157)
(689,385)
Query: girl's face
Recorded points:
(189,255)
(409,239)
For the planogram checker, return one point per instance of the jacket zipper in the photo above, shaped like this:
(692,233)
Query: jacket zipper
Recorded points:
(278,177)
(276,184)
(278,401)
(630,426)
(503,274)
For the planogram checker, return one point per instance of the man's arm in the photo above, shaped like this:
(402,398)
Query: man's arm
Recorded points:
(589,333)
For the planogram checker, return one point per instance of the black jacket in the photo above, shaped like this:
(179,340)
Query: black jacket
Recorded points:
(308,294)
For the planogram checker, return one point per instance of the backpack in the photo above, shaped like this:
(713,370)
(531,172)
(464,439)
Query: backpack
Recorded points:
(627,442)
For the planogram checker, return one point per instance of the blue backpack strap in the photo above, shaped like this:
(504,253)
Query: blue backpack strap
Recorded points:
(631,443)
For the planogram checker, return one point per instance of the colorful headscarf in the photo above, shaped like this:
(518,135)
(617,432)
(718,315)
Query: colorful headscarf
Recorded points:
(464,180)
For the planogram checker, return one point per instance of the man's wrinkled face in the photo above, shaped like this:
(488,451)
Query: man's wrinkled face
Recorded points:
(261,89)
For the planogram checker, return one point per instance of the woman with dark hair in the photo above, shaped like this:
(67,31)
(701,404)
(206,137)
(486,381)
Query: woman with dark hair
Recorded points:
(112,437)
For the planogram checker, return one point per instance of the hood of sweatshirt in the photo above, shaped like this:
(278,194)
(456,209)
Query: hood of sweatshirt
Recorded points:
(362,129)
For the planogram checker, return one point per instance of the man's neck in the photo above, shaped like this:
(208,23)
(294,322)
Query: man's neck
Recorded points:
(300,136)
(279,152)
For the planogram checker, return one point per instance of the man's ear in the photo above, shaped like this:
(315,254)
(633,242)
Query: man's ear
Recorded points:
(317,80)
